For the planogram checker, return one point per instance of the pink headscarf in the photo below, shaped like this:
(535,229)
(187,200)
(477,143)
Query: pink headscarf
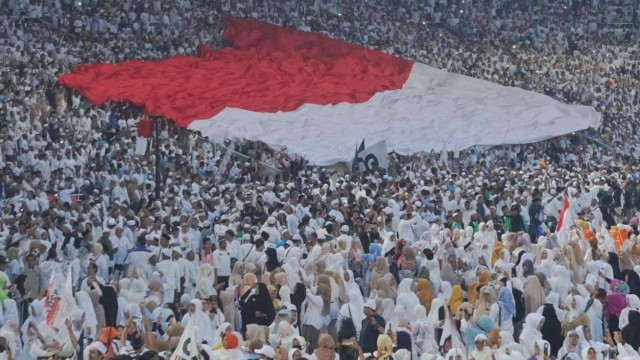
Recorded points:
(615,303)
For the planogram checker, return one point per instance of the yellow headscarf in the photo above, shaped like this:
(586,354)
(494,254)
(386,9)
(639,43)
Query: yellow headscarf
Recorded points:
(455,298)
(424,293)
(496,254)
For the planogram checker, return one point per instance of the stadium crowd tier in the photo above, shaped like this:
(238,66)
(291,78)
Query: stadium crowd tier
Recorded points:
(242,251)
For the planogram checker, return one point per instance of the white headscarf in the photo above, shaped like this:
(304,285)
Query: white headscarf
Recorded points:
(579,309)
(387,310)
(353,309)
(84,302)
(406,297)
(201,320)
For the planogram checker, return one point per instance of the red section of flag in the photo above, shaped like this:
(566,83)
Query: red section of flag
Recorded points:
(563,214)
(145,127)
(268,69)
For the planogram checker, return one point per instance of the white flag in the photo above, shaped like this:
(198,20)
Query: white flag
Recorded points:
(375,154)
(188,346)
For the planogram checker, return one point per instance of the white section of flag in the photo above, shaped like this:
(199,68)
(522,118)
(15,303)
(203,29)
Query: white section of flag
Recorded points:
(188,346)
(434,109)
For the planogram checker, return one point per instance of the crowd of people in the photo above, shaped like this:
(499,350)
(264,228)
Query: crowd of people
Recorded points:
(514,252)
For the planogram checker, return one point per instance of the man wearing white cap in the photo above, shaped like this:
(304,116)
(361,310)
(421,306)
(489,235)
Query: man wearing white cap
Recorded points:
(270,228)
(266,352)
(97,350)
(344,236)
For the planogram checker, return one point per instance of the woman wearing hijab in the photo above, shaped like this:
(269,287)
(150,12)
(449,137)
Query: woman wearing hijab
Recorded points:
(326,349)
(575,316)
(423,335)
(35,318)
(349,283)
(614,262)
(484,303)
(383,289)
(503,310)
(257,307)
(387,309)
(424,293)
(403,340)
(200,319)
(552,329)
(534,295)
(633,304)
(272,262)
(455,298)
(615,302)
(482,327)
(484,276)
(406,296)
(586,341)
(352,310)
(156,289)
(631,332)
(236,274)
(531,333)
(409,259)
(572,263)
(571,345)
(436,317)
(230,348)
(90,321)
(633,280)
(379,270)
(220,333)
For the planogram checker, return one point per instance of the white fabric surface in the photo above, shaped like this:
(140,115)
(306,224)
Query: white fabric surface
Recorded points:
(434,110)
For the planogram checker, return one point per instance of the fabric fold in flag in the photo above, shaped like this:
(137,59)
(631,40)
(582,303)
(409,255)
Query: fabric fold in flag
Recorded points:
(317,96)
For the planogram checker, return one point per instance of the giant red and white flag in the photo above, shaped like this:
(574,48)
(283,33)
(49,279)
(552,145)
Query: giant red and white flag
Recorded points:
(318,96)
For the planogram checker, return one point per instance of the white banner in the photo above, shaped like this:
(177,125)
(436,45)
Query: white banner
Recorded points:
(373,156)
(188,346)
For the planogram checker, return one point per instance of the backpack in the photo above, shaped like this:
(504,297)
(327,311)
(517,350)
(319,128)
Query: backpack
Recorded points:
(518,296)
(347,328)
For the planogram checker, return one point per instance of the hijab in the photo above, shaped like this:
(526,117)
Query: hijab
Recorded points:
(388,308)
(326,348)
(236,274)
(506,302)
(483,279)
(483,304)
(200,319)
(272,259)
(264,304)
(35,316)
(384,289)
(84,302)
(455,298)
(350,284)
(574,313)
(534,295)
(156,288)
(409,261)
(353,309)
(406,296)
(424,293)
(248,282)
(380,269)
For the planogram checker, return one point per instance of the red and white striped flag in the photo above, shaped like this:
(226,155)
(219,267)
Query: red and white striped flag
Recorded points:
(566,217)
